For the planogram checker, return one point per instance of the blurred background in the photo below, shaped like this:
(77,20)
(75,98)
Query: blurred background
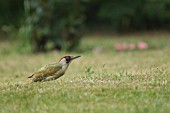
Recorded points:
(125,49)
(47,25)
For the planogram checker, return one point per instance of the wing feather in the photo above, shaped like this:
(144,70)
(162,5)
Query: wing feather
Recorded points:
(47,70)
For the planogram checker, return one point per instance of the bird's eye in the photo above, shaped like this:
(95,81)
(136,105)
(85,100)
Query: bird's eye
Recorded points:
(67,57)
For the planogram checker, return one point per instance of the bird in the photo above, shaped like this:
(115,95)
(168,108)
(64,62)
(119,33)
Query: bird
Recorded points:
(52,71)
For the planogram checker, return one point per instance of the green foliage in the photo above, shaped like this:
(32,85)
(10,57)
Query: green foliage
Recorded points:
(57,21)
(11,12)
(24,34)
(128,15)
(61,22)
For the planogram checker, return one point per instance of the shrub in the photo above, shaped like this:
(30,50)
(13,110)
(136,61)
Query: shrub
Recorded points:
(56,21)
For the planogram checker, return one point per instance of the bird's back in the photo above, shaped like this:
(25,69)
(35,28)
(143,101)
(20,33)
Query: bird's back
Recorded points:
(46,71)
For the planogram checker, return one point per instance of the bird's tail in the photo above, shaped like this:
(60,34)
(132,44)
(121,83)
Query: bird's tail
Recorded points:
(31,76)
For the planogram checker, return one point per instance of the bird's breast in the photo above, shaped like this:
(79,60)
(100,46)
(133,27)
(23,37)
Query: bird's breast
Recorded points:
(64,67)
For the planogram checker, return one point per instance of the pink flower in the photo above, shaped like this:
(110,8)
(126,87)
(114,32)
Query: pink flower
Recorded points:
(119,47)
(142,45)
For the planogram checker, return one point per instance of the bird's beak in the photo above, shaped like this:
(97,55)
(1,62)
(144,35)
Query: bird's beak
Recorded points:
(74,57)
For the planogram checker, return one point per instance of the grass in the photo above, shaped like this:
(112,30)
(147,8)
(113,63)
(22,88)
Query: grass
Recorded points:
(105,81)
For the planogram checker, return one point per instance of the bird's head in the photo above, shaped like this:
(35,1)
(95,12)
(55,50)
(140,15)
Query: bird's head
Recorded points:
(65,60)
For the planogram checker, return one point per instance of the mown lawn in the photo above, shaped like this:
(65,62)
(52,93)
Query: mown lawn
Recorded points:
(101,81)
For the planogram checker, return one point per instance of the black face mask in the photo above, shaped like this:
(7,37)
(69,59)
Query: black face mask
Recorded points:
(68,59)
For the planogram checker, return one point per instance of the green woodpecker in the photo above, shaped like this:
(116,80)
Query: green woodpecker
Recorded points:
(53,71)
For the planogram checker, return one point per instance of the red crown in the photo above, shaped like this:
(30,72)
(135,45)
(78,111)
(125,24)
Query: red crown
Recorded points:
(62,57)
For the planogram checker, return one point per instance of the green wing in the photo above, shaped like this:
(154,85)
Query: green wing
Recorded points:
(46,71)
